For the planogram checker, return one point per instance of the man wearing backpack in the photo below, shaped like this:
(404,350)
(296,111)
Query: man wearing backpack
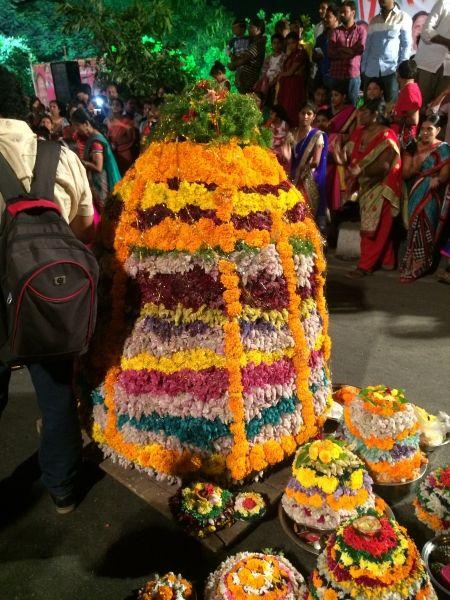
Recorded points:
(60,448)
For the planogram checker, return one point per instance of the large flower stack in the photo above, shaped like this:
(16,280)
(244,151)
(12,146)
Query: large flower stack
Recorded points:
(218,284)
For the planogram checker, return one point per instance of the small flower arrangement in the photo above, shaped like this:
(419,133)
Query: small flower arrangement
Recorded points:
(249,506)
(166,587)
(432,504)
(203,508)
(252,575)
(328,484)
(383,429)
(370,557)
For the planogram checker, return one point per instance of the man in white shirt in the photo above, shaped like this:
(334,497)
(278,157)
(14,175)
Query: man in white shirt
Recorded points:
(60,448)
(433,54)
(320,27)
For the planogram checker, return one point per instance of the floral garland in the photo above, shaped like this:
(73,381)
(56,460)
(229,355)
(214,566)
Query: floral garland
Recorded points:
(166,587)
(221,301)
(370,557)
(432,504)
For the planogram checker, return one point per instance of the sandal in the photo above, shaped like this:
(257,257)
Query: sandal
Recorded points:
(358,274)
(444,277)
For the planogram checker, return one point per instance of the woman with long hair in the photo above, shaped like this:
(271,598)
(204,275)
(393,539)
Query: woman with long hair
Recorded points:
(293,79)
(340,127)
(308,171)
(426,167)
(97,156)
(122,135)
(375,175)
(58,117)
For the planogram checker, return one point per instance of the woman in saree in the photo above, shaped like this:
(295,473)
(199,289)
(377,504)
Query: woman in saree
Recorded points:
(293,79)
(375,175)
(309,162)
(97,156)
(123,136)
(427,168)
(340,127)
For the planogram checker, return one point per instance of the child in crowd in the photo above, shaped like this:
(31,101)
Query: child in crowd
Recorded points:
(279,126)
(218,72)
(374,91)
(322,120)
(321,98)
(147,127)
(239,42)
(272,67)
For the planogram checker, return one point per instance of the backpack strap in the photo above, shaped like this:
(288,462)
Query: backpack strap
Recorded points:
(10,186)
(44,174)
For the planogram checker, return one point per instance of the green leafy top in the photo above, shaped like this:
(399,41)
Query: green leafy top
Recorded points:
(207,113)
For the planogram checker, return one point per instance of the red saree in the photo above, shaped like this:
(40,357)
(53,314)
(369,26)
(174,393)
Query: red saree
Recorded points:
(379,201)
(122,135)
(292,90)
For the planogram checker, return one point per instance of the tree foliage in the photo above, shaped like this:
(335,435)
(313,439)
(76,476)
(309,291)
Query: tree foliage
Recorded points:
(41,27)
(17,56)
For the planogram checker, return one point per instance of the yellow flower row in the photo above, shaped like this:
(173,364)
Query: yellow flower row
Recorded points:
(198,359)
(309,478)
(195,194)
(213,317)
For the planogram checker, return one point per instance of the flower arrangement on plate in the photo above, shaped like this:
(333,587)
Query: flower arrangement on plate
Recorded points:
(370,557)
(432,504)
(217,356)
(383,429)
(252,575)
(202,508)
(328,485)
(167,587)
(249,506)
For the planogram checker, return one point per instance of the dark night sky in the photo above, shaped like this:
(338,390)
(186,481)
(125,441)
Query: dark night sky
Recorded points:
(250,7)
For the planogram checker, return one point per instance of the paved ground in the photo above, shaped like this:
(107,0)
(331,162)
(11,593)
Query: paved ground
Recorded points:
(382,331)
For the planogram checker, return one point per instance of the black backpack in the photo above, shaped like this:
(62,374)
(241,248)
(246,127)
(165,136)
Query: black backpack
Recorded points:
(48,278)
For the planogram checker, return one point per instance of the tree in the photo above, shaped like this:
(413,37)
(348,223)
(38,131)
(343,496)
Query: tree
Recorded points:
(128,42)
(16,56)
(41,27)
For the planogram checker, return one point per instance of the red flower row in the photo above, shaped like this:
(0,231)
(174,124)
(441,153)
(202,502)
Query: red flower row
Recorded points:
(378,544)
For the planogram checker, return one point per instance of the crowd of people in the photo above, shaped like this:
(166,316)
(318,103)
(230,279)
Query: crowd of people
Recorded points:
(352,118)
(361,116)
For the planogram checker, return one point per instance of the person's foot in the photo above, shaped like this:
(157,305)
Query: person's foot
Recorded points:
(64,504)
(388,267)
(444,277)
(358,274)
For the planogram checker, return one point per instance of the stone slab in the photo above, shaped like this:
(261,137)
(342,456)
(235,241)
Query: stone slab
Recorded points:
(157,494)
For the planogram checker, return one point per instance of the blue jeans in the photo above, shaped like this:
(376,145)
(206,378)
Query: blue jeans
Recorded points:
(353,86)
(60,449)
